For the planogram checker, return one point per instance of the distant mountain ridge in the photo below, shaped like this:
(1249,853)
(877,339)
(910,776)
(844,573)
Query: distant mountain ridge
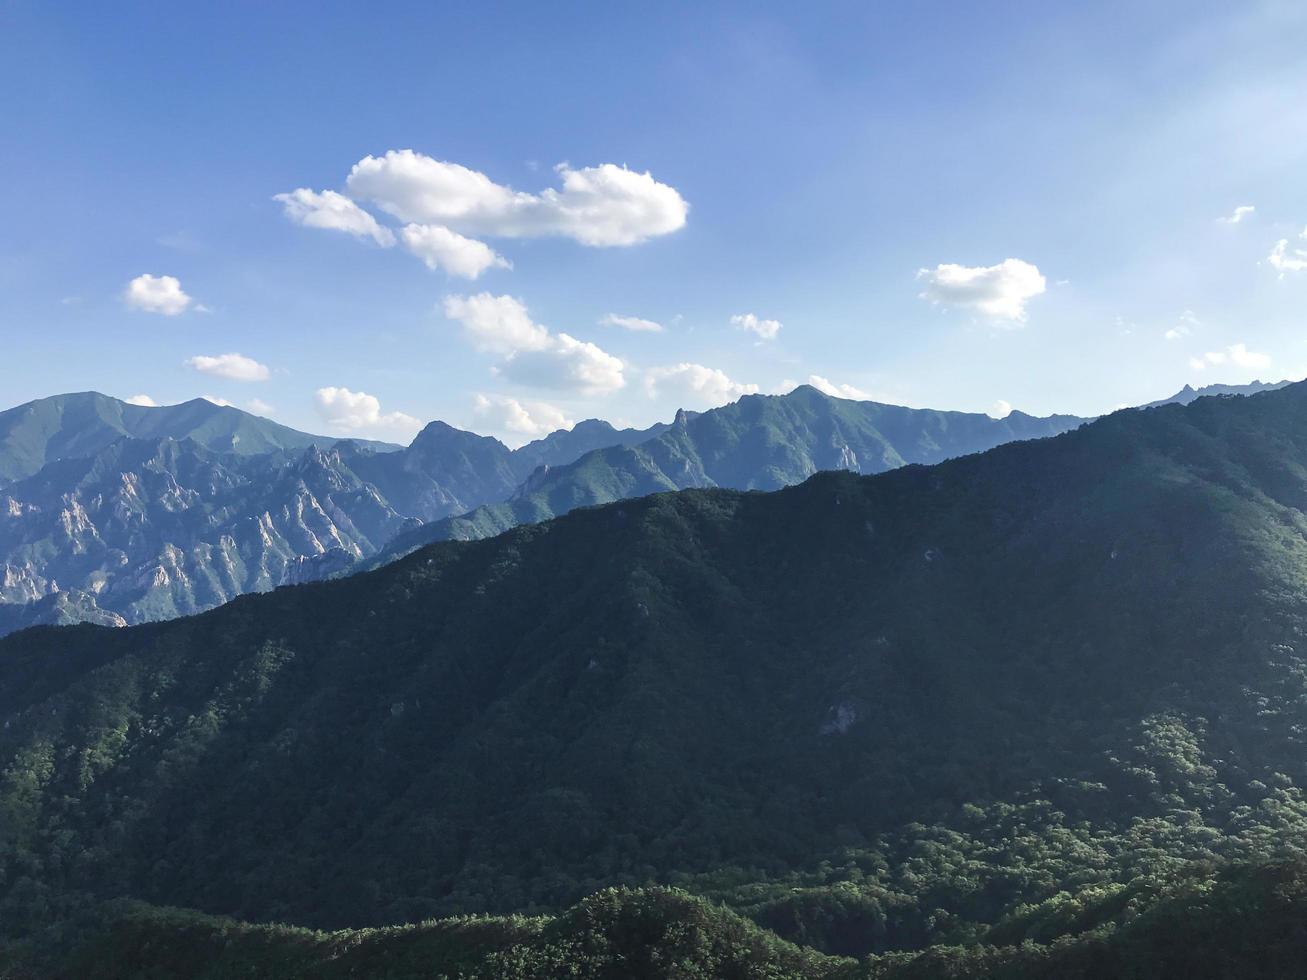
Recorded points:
(761,442)
(79,425)
(134,514)
(708,451)
(1189,393)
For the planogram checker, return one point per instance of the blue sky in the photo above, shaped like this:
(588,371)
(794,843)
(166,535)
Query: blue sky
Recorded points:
(944,205)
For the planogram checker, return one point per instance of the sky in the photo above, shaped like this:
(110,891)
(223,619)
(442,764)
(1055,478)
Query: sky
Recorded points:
(358,218)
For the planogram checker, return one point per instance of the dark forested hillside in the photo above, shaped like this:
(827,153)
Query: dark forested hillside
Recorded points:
(970,702)
(1243,922)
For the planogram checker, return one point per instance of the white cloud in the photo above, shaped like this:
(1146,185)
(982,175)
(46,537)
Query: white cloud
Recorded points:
(1183,327)
(328,209)
(1285,259)
(599,206)
(766,329)
(999,291)
(1000,409)
(496,323)
(566,364)
(530,419)
(634,323)
(354,410)
(704,385)
(1242,356)
(827,387)
(441,248)
(1237,354)
(1238,214)
(220,402)
(157,294)
(533,355)
(233,367)
(144,401)
(259,407)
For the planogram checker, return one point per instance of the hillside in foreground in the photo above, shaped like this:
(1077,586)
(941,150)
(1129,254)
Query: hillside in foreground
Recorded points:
(1239,921)
(937,707)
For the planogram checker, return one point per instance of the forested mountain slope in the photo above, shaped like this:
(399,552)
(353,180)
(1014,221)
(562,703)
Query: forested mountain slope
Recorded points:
(1243,922)
(871,713)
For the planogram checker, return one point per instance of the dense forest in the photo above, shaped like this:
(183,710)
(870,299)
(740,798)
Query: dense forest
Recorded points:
(1037,712)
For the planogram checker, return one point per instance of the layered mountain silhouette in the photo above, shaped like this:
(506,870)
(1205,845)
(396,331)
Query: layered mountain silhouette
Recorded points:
(1189,393)
(134,514)
(137,514)
(761,442)
(1003,698)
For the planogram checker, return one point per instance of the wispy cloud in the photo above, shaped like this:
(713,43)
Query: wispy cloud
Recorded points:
(750,323)
(633,323)
(328,209)
(1285,258)
(532,354)
(1238,214)
(1236,354)
(703,385)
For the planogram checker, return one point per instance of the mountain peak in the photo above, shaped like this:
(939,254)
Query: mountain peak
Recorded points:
(591,425)
(442,434)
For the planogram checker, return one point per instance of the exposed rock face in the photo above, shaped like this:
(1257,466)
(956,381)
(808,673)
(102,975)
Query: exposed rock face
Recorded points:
(56,609)
(154,529)
(314,568)
(150,528)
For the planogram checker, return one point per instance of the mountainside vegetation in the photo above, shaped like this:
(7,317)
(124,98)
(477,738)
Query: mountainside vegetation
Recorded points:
(1231,922)
(992,704)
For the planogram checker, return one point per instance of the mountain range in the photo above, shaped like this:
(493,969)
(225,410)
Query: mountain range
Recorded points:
(1007,699)
(114,513)
(760,442)
(132,514)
